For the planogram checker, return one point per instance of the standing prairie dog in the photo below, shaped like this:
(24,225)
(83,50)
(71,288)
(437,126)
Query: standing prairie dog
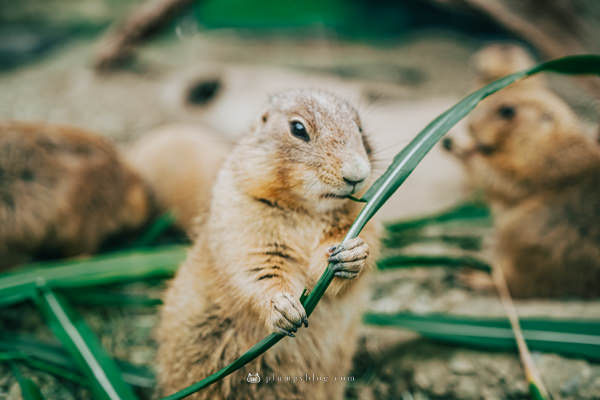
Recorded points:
(63,191)
(542,177)
(279,209)
(180,163)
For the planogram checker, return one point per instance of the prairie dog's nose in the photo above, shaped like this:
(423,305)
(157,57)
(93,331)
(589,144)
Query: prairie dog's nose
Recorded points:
(356,170)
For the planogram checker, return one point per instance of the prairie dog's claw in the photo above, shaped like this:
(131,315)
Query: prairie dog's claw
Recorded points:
(349,258)
(287,314)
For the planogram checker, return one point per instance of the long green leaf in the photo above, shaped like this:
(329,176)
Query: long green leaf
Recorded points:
(42,365)
(474,210)
(465,242)
(579,338)
(55,360)
(403,164)
(85,348)
(409,261)
(112,268)
(29,390)
(103,297)
(158,227)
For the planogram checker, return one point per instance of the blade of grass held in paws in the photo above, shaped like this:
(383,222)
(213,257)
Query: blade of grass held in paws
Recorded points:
(402,165)
(103,374)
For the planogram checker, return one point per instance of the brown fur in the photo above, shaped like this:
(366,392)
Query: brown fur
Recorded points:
(180,164)
(267,233)
(62,192)
(542,178)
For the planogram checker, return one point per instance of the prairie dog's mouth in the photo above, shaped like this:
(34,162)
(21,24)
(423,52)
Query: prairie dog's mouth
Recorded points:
(335,196)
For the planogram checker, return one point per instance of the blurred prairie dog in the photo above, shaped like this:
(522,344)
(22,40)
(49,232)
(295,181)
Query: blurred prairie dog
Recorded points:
(279,207)
(63,191)
(497,60)
(542,178)
(180,164)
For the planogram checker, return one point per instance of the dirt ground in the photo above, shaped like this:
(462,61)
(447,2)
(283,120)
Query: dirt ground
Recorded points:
(398,89)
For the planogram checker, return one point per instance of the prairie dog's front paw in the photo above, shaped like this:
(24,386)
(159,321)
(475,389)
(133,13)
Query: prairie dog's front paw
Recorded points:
(349,258)
(287,314)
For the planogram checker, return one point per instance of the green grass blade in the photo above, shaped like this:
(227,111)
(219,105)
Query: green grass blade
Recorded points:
(158,227)
(44,366)
(402,166)
(535,392)
(104,269)
(466,211)
(55,360)
(410,261)
(571,338)
(29,390)
(93,297)
(400,240)
(11,355)
(104,375)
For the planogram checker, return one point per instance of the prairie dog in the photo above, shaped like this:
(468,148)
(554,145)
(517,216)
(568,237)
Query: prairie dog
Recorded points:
(63,191)
(492,63)
(542,178)
(278,210)
(180,163)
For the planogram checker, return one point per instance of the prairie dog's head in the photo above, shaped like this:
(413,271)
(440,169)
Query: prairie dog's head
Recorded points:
(514,128)
(515,118)
(308,149)
(498,60)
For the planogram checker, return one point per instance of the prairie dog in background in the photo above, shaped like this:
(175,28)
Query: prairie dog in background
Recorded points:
(491,63)
(180,163)
(278,210)
(63,191)
(541,175)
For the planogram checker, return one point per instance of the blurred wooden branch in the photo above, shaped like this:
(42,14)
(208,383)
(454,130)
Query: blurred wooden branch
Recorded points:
(116,46)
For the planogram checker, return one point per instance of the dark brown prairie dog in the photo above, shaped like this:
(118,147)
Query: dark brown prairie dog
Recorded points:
(542,178)
(180,163)
(62,192)
(278,207)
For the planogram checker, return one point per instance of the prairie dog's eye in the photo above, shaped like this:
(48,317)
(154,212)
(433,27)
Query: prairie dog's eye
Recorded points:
(297,129)
(506,112)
